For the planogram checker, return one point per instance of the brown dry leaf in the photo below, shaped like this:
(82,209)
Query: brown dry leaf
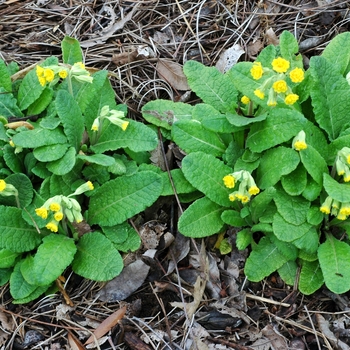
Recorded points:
(107,325)
(277,341)
(74,342)
(271,37)
(173,73)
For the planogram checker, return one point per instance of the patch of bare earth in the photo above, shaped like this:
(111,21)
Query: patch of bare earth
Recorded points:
(175,293)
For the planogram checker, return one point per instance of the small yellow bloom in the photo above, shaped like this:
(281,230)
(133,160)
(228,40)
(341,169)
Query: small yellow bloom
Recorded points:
(296,75)
(291,99)
(254,190)
(245,199)
(325,210)
(49,74)
(124,125)
(55,207)
(90,185)
(63,74)
(259,93)
(232,197)
(12,144)
(341,217)
(256,71)
(80,65)
(280,86)
(300,145)
(347,178)
(280,65)
(52,226)
(58,216)
(42,212)
(245,100)
(2,185)
(42,81)
(229,181)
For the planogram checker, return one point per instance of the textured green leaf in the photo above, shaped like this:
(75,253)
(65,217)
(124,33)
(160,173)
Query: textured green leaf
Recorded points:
(213,87)
(312,190)
(32,296)
(29,90)
(121,198)
(334,260)
(71,51)
(281,125)
(138,137)
(243,239)
(100,159)
(5,275)
(288,46)
(286,231)
(288,272)
(263,260)
(311,277)
(339,192)
(42,102)
(205,172)
(269,173)
(39,137)
(295,182)
(164,113)
(63,165)
(70,114)
(289,251)
(181,184)
(260,202)
(8,105)
(7,258)
(5,77)
(15,234)
(13,161)
(239,121)
(201,219)
(96,258)
(52,257)
(314,216)
(330,95)
(51,152)
(309,242)
(266,55)
(337,51)
(265,227)
(191,136)
(293,209)
(233,218)
(24,187)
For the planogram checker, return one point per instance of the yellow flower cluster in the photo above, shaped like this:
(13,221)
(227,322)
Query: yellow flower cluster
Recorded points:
(342,163)
(45,75)
(331,206)
(246,189)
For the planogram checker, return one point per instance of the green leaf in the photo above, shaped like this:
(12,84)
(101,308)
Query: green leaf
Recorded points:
(333,256)
(260,203)
(288,272)
(201,219)
(309,242)
(213,87)
(71,117)
(339,192)
(39,137)
(314,163)
(265,227)
(311,277)
(24,187)
(71,51)
(121,198)
(312,190)
(288,46)
(52,257)
(263,260)
(240,121)
(42,102)
(337,51)
(100,159)
(15,234)
(138,137)
(191,136)
(205,172)
(63,165)
(164,113)
(7,258)
(289,251)
(233,218)
(243,239)
(266,55)
(293,209)
(314,216)
(5,77)
(180,183)
(29,90)
(5,275)
(8,105)
(34,295)
(96,258)
(13,161)
(286,231)
(295,182)
(51,152)
(330,95)
(280,126)
(268,174)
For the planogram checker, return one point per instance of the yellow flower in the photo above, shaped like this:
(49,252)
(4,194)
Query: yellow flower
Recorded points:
(299,142)
(341,217)
(296,75)
(345,209)
(325,210)
(245,100)
(280,86)
(326,205)
(245,199)
(58,216)
(259,93)
(52,226)
(280,65)
(96,124)
(254,190)
(80,65)
(63,74)
(49,74)
(55,206)
(256,71)
(90,185)
(229,181)
(42,212)
(291,99)
(232,197)
(2,185)
(12,144)
(300,145)
(40,75)
(124,125)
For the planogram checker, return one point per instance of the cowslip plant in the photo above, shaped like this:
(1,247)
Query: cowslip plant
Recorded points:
(70,174)
(268,153)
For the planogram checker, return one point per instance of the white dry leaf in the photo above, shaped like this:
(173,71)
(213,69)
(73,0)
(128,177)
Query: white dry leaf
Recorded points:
(261,344)
(100,341)
(62,310)
(173,73)
(229,58)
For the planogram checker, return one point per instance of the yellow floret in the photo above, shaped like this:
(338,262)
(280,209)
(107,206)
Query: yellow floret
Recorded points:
(245,100)
(124,125)
(58,216)
(280,65)
(280,86)
(52,226)
(256,71)
(254,190)
(90,185)
(259,94)
(325,210)
(300,145)
(296,75)
(49,74)
(55,207)
(2,185)
(42,212)
(291,99)
(63,74)
(229,181)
